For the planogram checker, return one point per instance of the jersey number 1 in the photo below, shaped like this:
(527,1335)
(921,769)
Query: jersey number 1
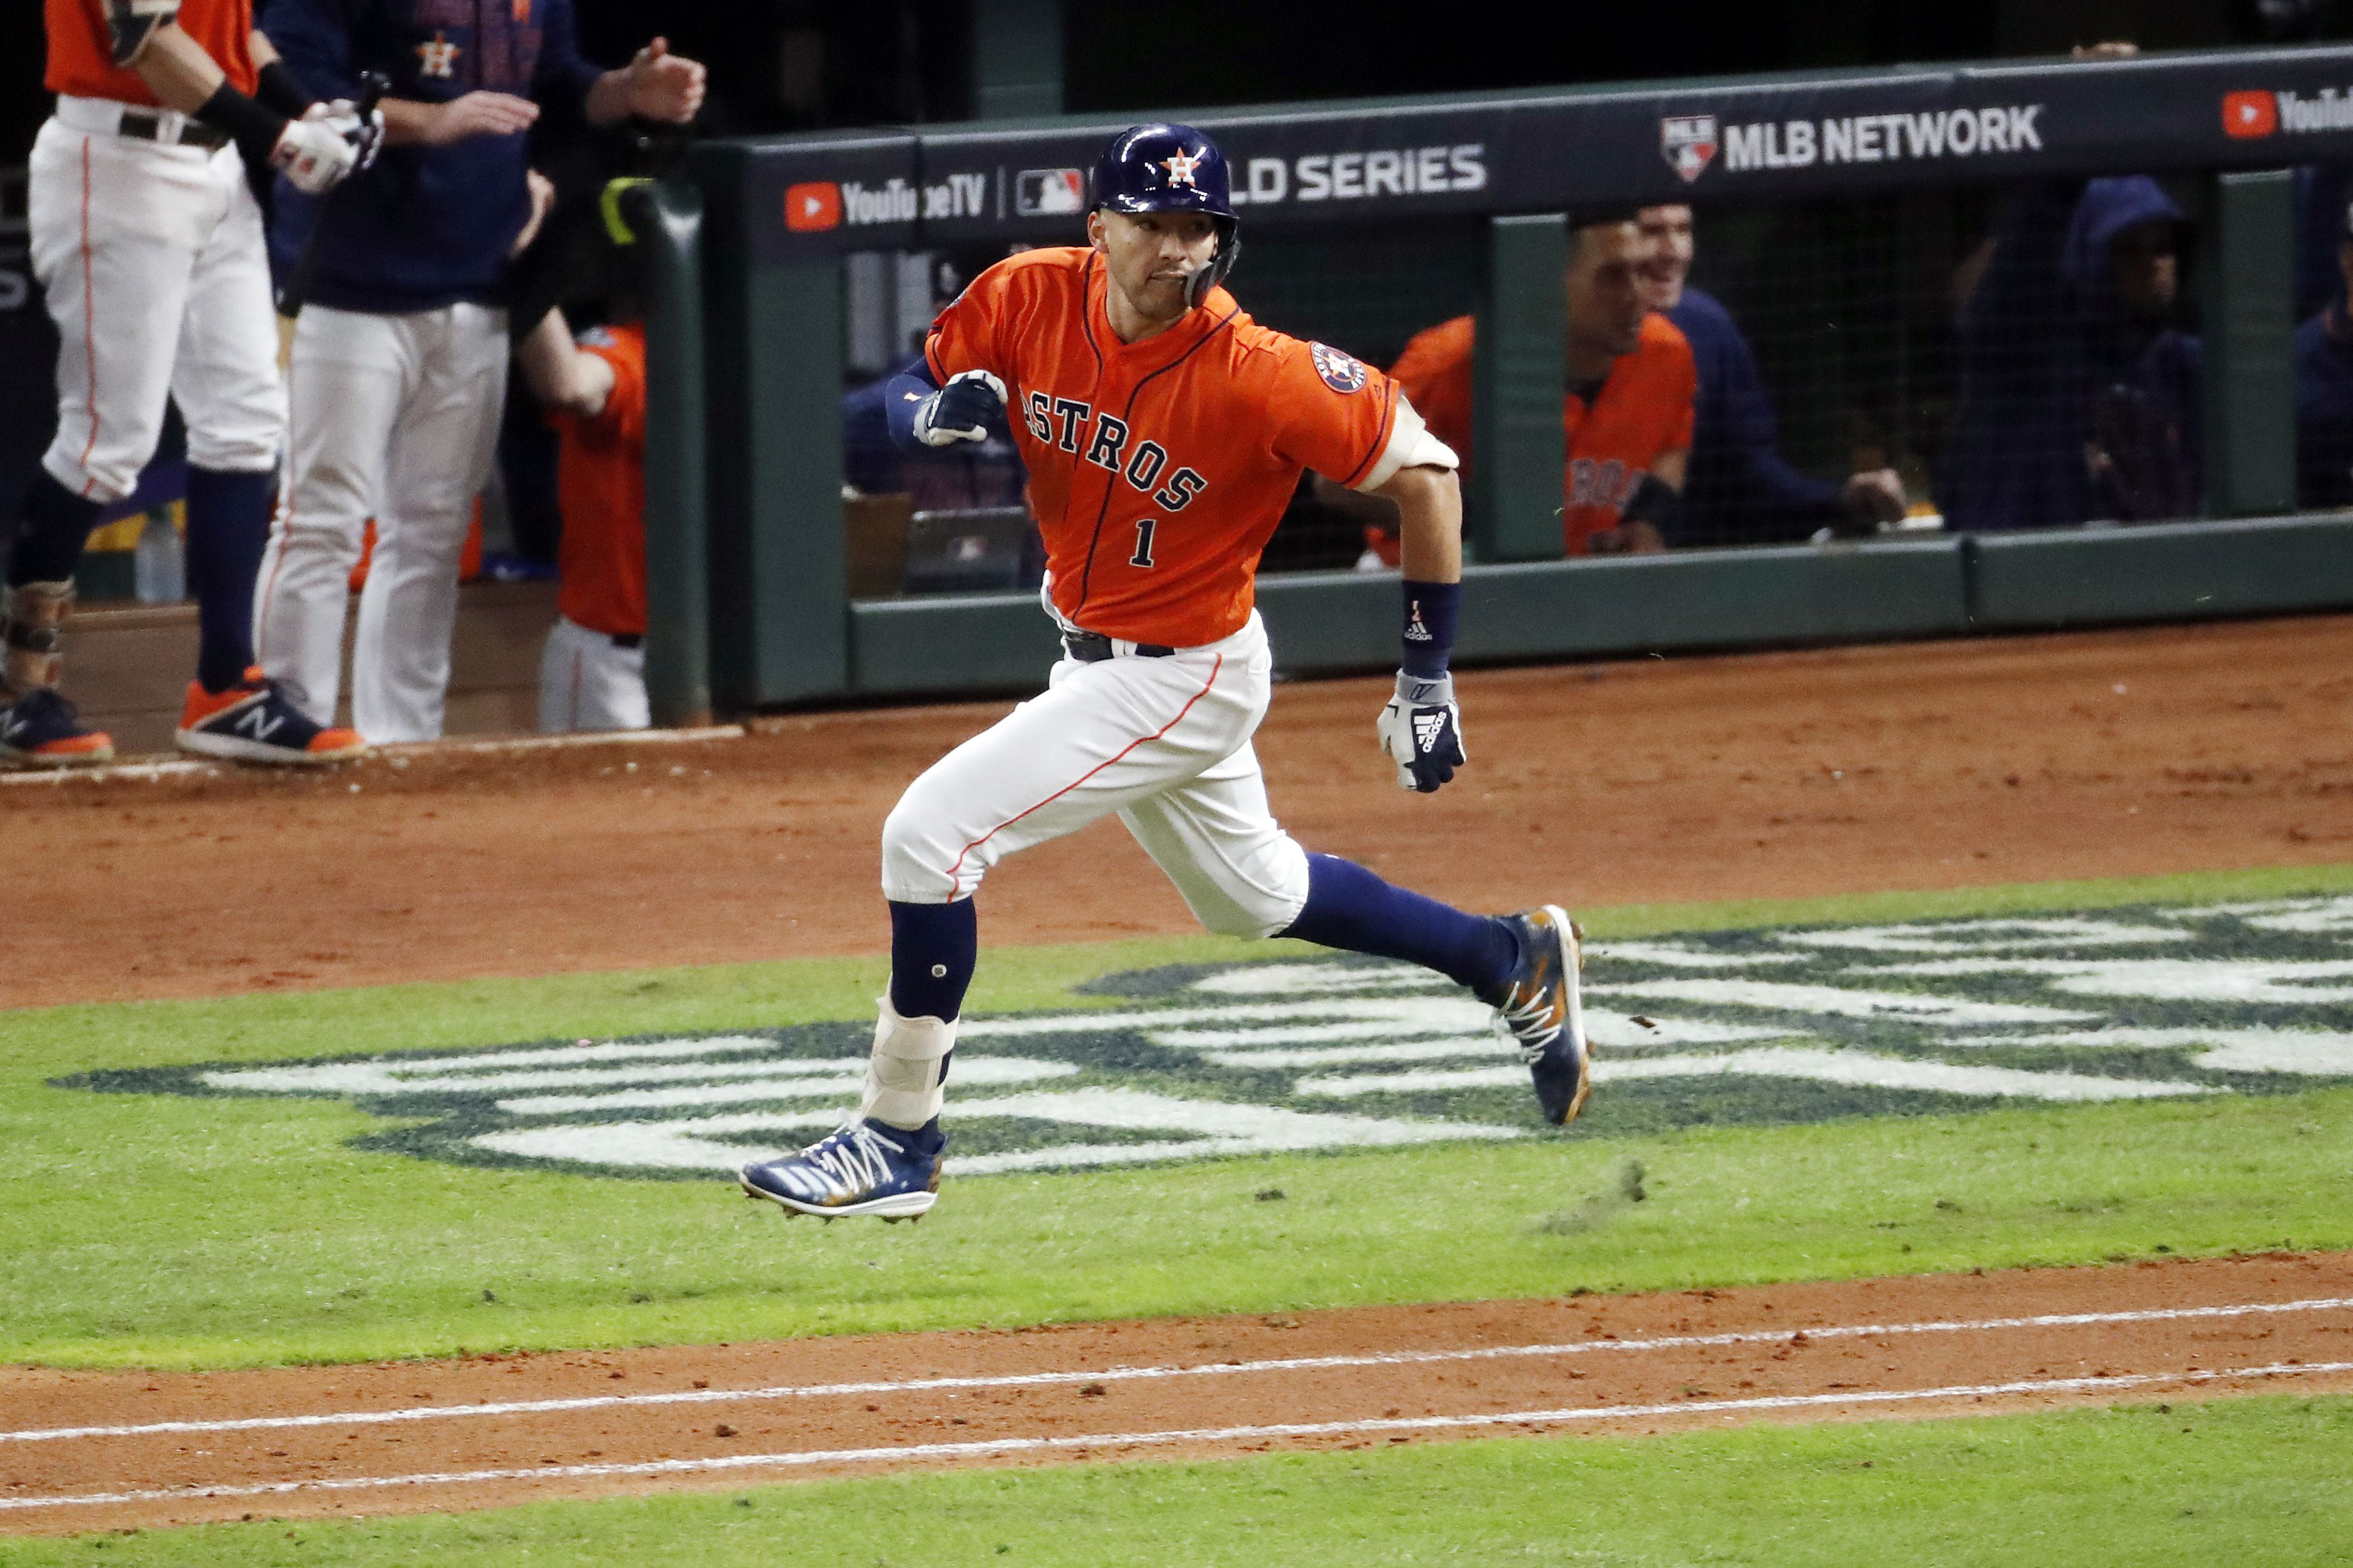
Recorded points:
(1144,527)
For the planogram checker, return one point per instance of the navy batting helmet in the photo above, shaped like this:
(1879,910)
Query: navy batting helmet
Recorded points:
(1161,168)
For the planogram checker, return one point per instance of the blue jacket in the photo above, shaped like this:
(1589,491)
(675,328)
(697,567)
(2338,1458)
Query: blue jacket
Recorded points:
(1738,487)
(2323,412)
(426,226)
(2050,368)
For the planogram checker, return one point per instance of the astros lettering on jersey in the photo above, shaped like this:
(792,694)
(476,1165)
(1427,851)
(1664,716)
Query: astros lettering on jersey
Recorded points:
(1158,470)
(1642,411)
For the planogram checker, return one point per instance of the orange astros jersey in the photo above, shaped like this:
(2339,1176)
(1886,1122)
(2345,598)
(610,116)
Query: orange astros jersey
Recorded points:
(82,44)
(1642,411)
(1157,469)
(600,488)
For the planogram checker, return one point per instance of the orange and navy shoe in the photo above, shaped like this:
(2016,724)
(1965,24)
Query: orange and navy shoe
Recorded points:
(1539,1009)
(42,730)
(252,722)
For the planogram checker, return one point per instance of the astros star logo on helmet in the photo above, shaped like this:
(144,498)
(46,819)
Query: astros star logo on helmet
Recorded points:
(1180,167)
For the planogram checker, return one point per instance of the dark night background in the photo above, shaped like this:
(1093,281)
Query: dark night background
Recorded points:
(794,65)
(781,65)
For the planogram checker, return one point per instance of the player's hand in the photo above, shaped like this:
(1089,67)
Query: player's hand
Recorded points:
(312,156)
(542,198)
(960,410)
(1639,537)
(480,114)
(1873,497)
(342,116)
(1421,730)
(664,86)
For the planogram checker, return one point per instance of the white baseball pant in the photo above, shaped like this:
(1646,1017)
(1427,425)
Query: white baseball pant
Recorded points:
(587,681)
(1164,742)
(158,278)
(396,418)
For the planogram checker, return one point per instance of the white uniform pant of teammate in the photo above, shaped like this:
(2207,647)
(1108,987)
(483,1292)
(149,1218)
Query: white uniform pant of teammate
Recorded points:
(1164,742)
(589,681)
(396,419)
(158,278)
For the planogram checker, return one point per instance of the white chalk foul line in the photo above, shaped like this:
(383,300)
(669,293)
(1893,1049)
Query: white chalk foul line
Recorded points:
(990,1447)
(1140,1374)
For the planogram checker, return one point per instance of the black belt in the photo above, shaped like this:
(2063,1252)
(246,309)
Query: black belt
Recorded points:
(141,125)
(1093,648)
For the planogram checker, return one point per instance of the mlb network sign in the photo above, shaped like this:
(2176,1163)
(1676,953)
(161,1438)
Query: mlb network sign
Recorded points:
(1691,142)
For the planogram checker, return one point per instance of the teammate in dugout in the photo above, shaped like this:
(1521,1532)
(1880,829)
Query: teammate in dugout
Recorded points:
(1626,414)
(399,358)
(1164,432)
(592,671)
(148,243)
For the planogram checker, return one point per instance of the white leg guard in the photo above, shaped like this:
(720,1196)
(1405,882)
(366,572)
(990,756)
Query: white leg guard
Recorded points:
(905,1074)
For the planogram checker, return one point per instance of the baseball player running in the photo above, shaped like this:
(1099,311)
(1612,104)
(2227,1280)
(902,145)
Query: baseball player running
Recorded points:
(1164,432)
(399,360)
(149,244)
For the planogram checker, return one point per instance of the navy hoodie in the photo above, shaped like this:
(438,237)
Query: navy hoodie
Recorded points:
(1739,489)
(2323,410)
(426,226)
(2049,368)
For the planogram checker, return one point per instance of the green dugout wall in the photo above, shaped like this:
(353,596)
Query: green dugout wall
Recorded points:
(754,515)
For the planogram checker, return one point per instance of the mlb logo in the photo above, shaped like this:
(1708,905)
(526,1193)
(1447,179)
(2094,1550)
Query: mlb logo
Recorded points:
(1688,143)
(1047,193)
(1341,373)
(812,206)
(2249,116)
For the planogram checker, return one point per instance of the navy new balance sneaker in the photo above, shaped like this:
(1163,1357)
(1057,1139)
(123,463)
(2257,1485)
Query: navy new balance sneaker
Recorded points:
(41,730)
(252,722)
(862,1168)
(1538,1010)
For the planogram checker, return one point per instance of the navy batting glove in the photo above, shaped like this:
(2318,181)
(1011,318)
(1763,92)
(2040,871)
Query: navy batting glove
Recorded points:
(960,410)
(1421,730)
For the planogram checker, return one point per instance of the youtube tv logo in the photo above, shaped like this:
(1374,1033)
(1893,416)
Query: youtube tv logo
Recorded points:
(812,206)
(2249,115)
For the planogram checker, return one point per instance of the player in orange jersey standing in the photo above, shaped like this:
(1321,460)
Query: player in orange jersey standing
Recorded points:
(592,673)
(1626,412)
(149,246)
(1164,432)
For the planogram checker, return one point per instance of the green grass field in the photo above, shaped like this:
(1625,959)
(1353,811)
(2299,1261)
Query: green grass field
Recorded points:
(147,1230)
(2248,1482)
(161,1230)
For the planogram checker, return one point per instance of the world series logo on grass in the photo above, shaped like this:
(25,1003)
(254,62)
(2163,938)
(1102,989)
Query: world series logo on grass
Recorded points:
(1790,1023)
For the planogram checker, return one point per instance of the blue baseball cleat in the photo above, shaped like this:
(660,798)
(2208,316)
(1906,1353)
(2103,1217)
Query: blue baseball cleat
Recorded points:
(1538,1009)
(862,1168)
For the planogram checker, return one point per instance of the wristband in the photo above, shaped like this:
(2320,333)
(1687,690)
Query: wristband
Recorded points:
(246,122)
(1653,502)
(1431,610)
(278,91)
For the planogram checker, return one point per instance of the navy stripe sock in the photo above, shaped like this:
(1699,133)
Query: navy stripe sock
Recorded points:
(933,949)
(56,525)
(228,528)
(1350,908)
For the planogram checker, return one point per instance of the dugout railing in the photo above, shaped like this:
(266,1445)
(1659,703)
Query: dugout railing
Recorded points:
(759,497)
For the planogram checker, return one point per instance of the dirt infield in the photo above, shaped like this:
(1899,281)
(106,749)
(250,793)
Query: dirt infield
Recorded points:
(1923,765)
(84,1451)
